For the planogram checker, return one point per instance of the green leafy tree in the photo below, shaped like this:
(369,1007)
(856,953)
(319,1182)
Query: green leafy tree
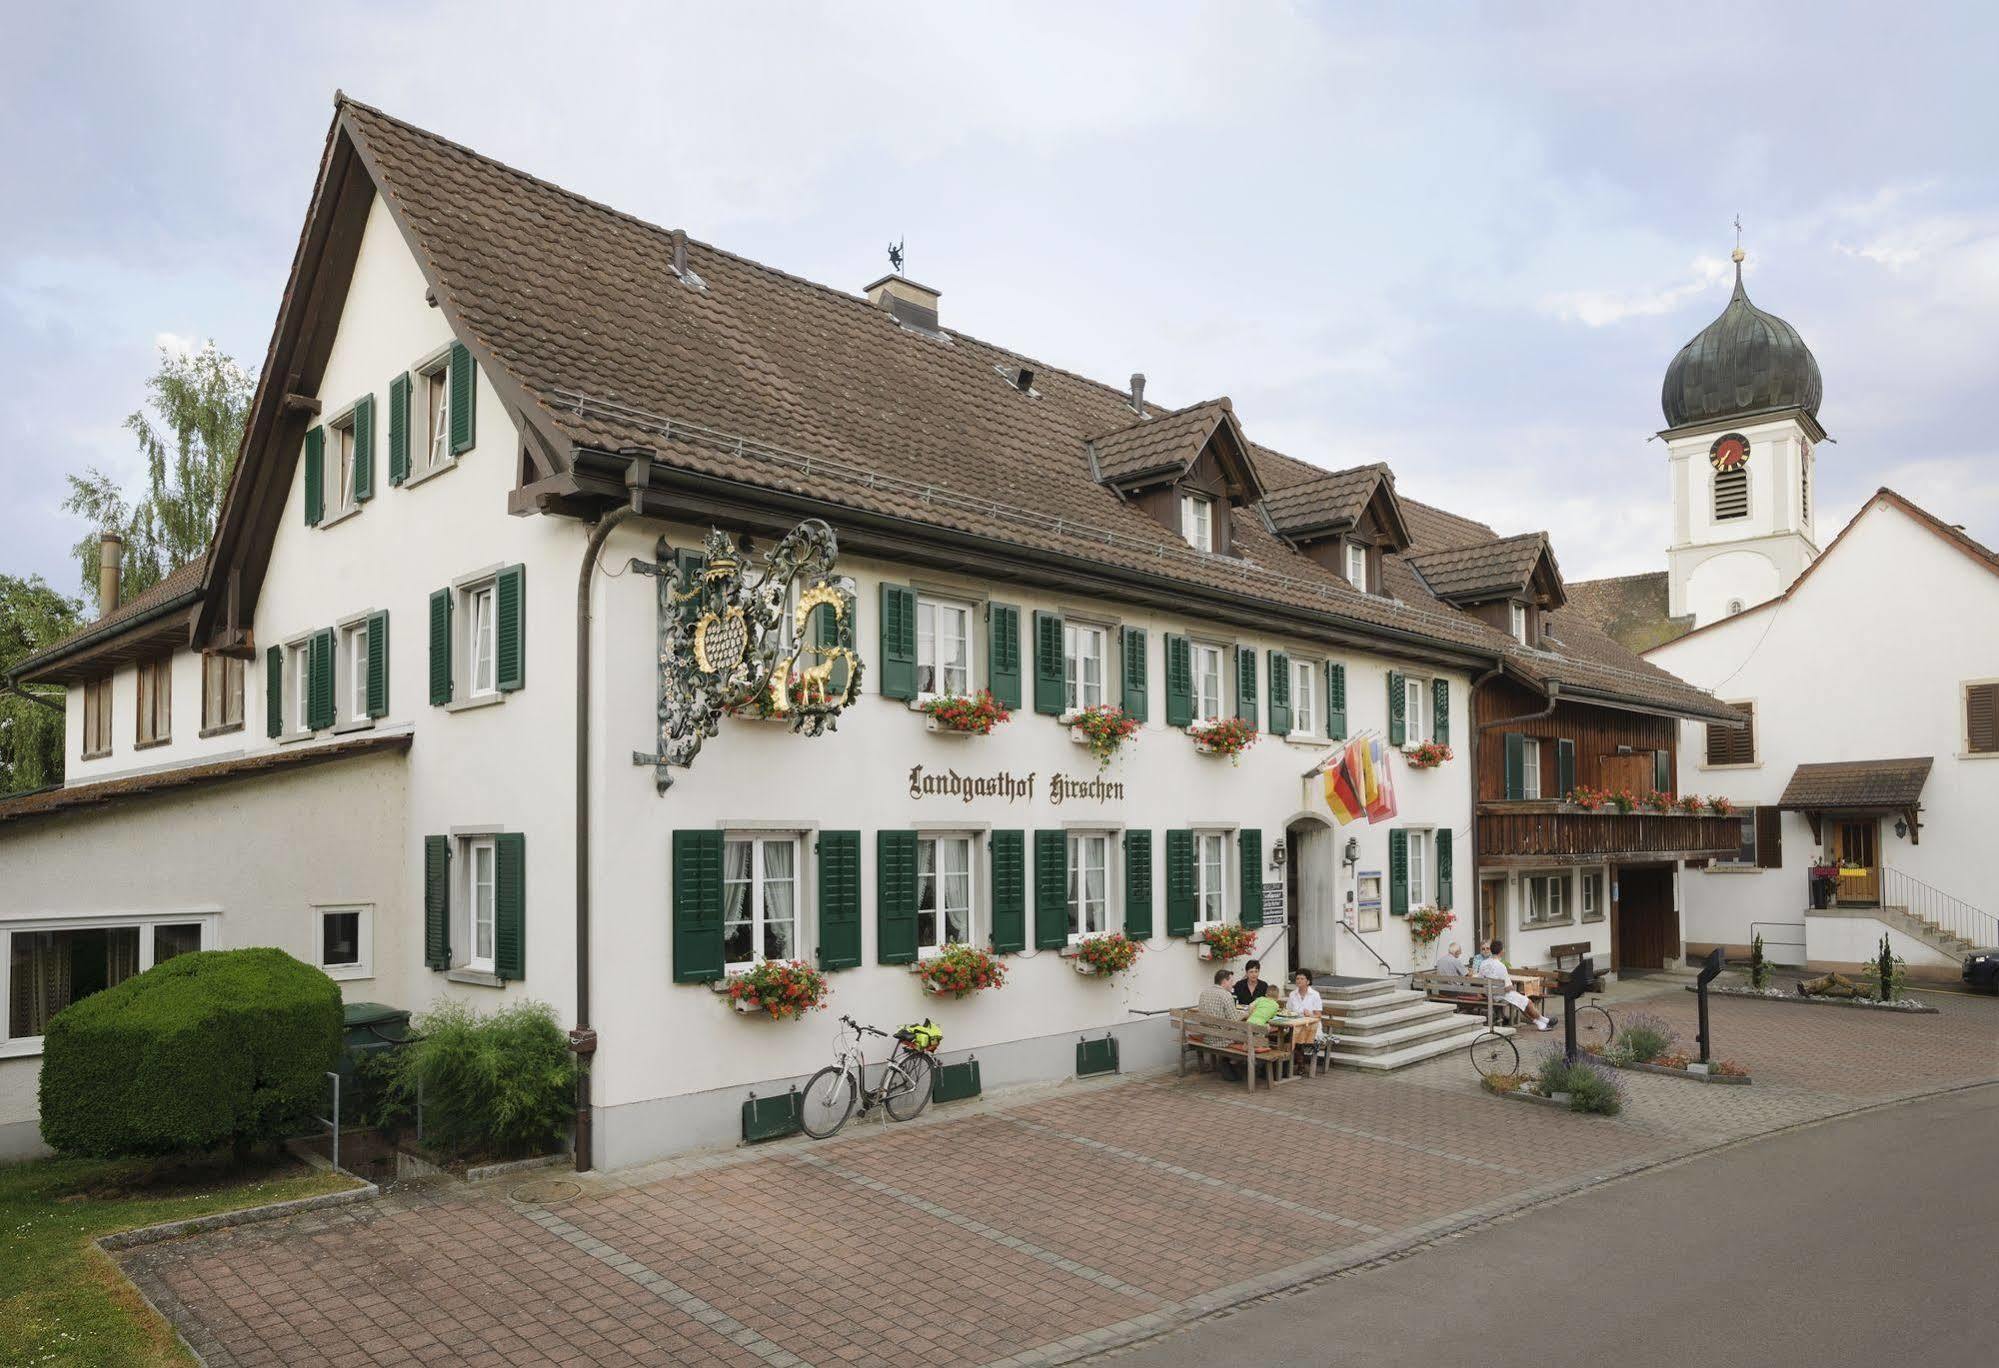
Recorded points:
(32,618)
(198,402)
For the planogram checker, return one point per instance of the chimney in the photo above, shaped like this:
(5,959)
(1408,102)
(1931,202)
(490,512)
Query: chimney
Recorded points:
(680,251)
(910,304)
(110,549)
(1138,392)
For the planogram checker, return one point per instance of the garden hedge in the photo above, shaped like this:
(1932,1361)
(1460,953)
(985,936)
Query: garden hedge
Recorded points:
(211,1048)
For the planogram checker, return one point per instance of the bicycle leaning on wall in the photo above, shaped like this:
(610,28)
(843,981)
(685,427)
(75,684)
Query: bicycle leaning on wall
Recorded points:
(904,1091)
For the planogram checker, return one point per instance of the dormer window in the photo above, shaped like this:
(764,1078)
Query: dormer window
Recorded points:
(1519,622)
(1197,521)
(1357,566)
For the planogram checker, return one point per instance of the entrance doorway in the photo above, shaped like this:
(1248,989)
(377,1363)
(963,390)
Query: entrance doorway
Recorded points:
(1311,905)
(1645,926)
(1491,920)
(1856,845)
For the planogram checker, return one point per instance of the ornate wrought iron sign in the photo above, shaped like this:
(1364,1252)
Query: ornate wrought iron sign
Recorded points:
(771,640)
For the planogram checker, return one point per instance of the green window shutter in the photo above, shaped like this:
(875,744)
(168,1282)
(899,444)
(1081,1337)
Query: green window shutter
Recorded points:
(1565,768)
(436,902)
(839,899)
(1179,681)
(1245,684)
(1249,853)
(1444,893)
(364,449)
(697,906)
(1280,694)
(1398,873)
(440,648)
(319,681)
(1051,890)
(1336,700)
(274,692)
(1009,854)
(399,429)
(463,400)
(1440,709)
(378,665)
(895,897)
(315,476)
(898,641)
(1003,653)
(1179,883)
(1398,723)
(1132,655)
(1138,885)
(509,649)
(1048,656)
(1516,764)
(510,895)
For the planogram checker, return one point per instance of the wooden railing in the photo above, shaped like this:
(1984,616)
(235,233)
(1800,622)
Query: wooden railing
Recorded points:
(1571,835)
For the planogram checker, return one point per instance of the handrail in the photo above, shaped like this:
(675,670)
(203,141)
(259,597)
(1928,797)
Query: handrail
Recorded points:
(1951,915)
(1342,923)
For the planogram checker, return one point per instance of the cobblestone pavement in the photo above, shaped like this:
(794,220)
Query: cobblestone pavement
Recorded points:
(1038,1228)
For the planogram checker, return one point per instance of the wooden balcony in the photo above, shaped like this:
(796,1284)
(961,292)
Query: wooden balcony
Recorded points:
(1549,833)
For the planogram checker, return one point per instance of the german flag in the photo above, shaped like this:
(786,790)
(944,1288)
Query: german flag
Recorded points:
(1342,796)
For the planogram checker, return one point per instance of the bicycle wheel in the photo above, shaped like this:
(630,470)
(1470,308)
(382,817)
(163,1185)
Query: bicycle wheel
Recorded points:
(906,1087)
(1594,1027)
(827,1102)
(1495,1056)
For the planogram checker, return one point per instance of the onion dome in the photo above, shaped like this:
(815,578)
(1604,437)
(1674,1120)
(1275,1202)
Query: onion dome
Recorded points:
(1744,363)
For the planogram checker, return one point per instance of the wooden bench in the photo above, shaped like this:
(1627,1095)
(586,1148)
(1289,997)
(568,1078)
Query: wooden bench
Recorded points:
(1577,952)
(1462,990)
(1222,1038)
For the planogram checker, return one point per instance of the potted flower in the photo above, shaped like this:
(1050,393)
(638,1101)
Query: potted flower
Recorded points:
(1721,806)
(1229,736)
(1106,955)
(1427,755)
(1690,803)
(1104,729)
(780,989)
(1658,800)
(1427,923)
(1587,798)
(961,970)
(1624,801)
(1226,942)
(964,716)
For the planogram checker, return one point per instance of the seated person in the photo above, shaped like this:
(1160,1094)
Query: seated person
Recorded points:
(1304,999)
(1265,1007)
(1218,1001)
(1495,968)
(1451,961)
(1250,987)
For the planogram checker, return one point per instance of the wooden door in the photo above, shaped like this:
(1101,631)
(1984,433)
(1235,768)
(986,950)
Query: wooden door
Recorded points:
(1859,866)
(1632,772)
(1490,922)
(1648,930)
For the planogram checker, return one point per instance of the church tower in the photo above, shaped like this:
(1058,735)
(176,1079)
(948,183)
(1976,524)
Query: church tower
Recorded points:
(1741,403)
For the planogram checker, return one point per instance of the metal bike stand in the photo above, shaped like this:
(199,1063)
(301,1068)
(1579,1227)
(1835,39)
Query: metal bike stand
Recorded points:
(1709,970)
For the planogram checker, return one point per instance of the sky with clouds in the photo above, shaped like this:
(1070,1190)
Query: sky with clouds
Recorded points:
(1463,239)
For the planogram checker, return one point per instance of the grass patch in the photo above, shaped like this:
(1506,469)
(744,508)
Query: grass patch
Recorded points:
(61,1300)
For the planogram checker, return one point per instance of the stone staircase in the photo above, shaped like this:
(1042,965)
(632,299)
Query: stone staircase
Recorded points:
(1922,929)
(1374,1024)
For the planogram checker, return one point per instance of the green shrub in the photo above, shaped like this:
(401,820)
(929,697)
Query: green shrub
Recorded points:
(1591,1086)
(1645,1037)
(210,1048)
(498,1086)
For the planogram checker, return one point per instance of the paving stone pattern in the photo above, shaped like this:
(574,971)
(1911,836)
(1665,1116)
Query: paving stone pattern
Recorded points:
(1042,1228)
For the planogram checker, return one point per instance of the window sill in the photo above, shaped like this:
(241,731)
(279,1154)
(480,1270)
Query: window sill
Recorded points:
(479,701)
(1547,926)
(431,473)
(339,517)
(206,732)
(358,724)
(1976,755)
(152,745)
(1710,769)
(25,1048)
(347,973)
(292,738)
(95,755)
(1734,869)
(478,978)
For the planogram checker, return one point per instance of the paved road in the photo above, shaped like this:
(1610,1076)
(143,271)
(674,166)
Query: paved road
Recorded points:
(1864,1240)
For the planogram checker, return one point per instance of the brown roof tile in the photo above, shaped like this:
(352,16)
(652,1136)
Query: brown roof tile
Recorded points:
(1857,784)
(1503,565)
(140,607)
(1172,441)
(1330,497)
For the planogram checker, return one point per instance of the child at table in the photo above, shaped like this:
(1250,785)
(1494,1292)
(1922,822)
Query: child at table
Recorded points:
(1265,1007)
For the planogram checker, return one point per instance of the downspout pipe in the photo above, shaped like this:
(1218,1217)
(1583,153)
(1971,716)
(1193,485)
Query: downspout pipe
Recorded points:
(583,1039)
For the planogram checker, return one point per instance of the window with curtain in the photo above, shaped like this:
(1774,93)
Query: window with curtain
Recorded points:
(156,699)
(1089,884)
(759,899)
(49,968)
(1211,884)
(943,892)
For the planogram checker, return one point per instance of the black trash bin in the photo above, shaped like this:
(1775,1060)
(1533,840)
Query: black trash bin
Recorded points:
(366,1028)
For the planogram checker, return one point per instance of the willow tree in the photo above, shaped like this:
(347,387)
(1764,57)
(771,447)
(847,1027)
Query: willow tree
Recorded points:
(32,617)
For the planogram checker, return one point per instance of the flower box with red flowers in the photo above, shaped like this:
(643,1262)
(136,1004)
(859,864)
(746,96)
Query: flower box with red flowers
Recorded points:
(1720,806)
(1103,729)
(1229,736)
(1228,942)
(1428,923)
(1111,954)
(1658,800)
(1427,755)
(1587,798)
(960,970)
(964,715)
(779,989)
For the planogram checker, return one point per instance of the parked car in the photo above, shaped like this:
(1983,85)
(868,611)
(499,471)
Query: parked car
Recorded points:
(1981,970)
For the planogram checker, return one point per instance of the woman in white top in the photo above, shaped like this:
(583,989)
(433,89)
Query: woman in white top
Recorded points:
(1304,999)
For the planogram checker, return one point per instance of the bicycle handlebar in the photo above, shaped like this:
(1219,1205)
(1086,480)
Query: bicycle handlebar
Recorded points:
(870,1030)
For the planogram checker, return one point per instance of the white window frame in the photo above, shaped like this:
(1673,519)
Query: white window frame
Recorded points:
(932,615)
(1530,767)
(1211,878)
(1199,657)
(12,1046)
(434,384)
(1305,676)
(364,939)
(482,676)
(1076,686)
(935,842)
(1419,843)
(298,676)
(1081,924)
(1197,521)
(1516,617)
(1590,901)
(339,472)
(476,846)
(1356,559)
(1546,900)
(350,672)
(759,884)
(1417,723)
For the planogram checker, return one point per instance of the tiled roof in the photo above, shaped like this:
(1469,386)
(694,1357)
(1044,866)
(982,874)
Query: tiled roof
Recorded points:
(773,382)
(44,801)
(1334,496)
(1630,609)
(1503,565)
(1172,441)
(1857,784)
(177,584)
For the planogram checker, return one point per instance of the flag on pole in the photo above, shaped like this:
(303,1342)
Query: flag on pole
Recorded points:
(1340,794)
(1367,783)
(1382,805)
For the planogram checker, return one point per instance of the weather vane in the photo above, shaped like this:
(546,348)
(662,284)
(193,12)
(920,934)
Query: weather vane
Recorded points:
(895,255)
(1738,240)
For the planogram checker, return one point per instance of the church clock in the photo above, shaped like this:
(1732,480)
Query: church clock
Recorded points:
(1730,452)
